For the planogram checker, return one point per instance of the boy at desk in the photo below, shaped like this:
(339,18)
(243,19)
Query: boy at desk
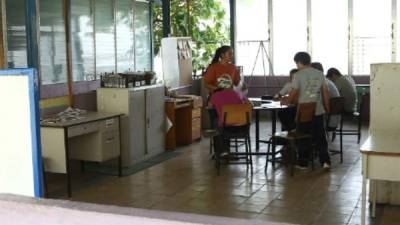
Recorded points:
(288,86)
(287,115)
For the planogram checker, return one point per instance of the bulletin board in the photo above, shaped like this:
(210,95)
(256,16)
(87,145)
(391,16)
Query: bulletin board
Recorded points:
(20,161)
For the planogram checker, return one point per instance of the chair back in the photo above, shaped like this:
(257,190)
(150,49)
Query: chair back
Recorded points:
(364,106)
(336,106)
(236,115)
(305,112)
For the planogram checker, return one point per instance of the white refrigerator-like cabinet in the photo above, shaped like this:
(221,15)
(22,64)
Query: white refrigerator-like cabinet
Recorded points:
(176,53)
(384,111)
(143,125)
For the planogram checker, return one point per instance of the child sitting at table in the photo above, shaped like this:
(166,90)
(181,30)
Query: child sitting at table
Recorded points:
(224,95)
(287,115)
(288,86)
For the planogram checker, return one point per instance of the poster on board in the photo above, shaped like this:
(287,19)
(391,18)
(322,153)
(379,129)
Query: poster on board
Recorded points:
(20,161)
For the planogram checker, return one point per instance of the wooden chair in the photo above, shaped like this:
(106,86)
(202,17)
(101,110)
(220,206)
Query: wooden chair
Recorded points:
(236,126)
(305,114)
(336,106)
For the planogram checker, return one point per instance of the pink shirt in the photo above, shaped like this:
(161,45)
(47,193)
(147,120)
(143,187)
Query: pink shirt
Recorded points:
(225,97)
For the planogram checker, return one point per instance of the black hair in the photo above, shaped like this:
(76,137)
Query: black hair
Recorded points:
(317,66)
(303,58)
(221,50)
(293,71)
(333,71)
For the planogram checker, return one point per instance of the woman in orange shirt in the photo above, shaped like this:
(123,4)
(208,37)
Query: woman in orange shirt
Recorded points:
(221,65)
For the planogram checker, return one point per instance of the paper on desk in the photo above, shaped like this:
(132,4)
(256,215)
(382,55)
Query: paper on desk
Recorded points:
(168,124)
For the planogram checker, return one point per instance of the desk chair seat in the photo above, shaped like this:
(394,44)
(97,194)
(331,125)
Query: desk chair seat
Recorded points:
(305,114)
(236,126)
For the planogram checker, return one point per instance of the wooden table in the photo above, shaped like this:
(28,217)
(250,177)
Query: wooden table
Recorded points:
(95,137)
(380,161)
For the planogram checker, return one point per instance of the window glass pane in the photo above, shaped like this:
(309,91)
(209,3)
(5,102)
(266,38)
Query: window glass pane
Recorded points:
(290,33)
(82,40)
(142,36)
(52,42)
(105,48)
(125,39)
(372,30)
(16,36)
(252,30)
(398,33)
(330,33)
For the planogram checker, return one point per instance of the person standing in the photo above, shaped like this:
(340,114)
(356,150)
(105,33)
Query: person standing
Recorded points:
(309,85)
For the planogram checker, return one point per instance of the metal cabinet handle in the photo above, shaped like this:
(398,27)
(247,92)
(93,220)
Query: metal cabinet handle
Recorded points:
(109,140)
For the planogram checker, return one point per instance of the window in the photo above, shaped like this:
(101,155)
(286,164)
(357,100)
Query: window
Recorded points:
(252,36)
(105,46)
(142,37)
(16,34)
(82,45)
(398,33)
(53,62)
(290,33)
(125,36)
(330,33)
(372,30)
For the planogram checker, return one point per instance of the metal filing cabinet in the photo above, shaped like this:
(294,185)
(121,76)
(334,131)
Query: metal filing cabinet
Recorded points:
(143,127)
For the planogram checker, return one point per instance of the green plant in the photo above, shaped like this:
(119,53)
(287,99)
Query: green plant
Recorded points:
(203,20)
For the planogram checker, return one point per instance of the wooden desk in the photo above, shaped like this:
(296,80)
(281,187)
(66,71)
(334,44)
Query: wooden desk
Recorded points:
(380,161)
(95,137)
(184,113)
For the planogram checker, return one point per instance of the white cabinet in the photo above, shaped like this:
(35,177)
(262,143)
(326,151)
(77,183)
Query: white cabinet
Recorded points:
(176,55)
(385,81)
(143,126)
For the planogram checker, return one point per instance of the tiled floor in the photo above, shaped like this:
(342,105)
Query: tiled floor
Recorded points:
(188,183)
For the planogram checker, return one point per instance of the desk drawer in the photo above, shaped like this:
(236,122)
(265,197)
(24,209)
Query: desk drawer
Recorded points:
(83,129)
(196,113)
(110,145)
(109,124)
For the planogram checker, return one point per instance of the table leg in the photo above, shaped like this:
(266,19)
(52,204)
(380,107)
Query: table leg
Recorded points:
(67,162)
(364,187)
(273,139)
(257,130)
(375,185)
(120,148)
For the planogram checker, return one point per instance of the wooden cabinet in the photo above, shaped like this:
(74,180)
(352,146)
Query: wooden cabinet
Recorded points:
(184,113)
(143,126)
